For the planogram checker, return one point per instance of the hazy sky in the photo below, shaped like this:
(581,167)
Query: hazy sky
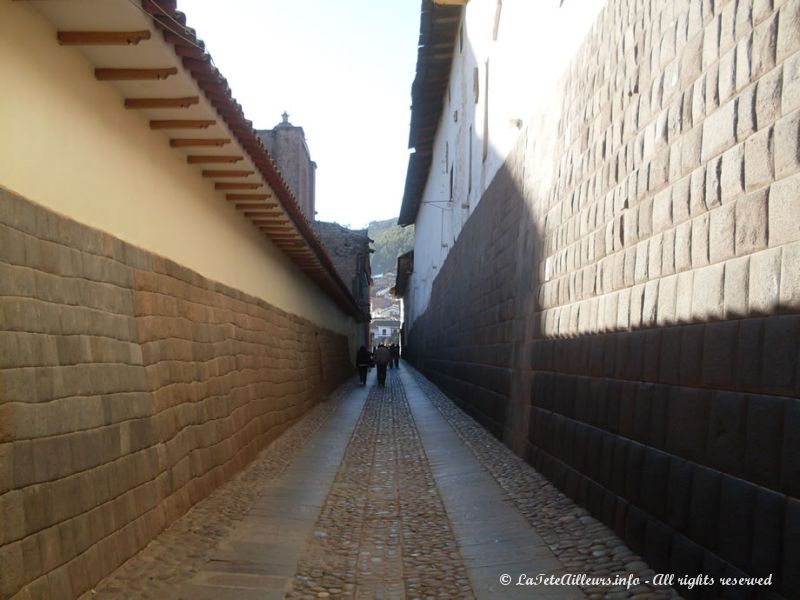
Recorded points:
(342,70)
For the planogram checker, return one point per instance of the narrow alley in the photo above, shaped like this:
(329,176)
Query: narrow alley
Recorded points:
(364,498)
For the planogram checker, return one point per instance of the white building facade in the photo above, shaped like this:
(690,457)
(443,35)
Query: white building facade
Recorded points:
(506,57)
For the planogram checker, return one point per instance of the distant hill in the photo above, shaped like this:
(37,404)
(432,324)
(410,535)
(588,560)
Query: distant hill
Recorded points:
(391,241)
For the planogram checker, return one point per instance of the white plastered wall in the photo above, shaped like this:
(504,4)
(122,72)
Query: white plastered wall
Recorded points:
(534,45)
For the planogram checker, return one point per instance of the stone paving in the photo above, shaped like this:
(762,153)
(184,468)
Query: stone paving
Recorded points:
(581,542)
(170,561)
(384,531)
(381,493)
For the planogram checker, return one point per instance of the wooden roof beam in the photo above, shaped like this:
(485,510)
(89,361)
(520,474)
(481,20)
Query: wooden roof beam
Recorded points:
(198,142)
(102,38)
(181,124)
(202,159)
(235,197)
(134,74)
(262,221)
(161,102)
(260,214)
(237,186)
(226,174)
(256,205)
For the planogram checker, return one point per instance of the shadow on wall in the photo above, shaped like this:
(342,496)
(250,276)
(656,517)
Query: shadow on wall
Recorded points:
(653,377)
(684,439)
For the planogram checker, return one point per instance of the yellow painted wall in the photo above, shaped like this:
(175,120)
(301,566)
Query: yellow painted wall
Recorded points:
(67,143)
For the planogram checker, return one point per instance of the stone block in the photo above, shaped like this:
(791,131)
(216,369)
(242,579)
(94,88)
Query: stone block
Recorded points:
(746,116)
(687,423)
(713,184)
(643,409)
(768,98)
(650,303)
(784,211)
(697,192)
(727,75)
(765,38)
(14,569)
(711,42)
(692,354)
(758,160)
(635,522)
(781,341)
(736,507)
(765,419)
(686,558)
(749,350)
(655,478)
(633,469)
(683,246)
(744,53)
(751,223)
(788,41)
(790,99)
(704,511)
(645,219)
(623,309)
(662,211)
(727,32)
(790,278)
(657,542)
(787,145)
(630,227)
(790,586)
(790,460)
(765,546)
(683,303)
(707,292)
(719,130)
(637,300)
(668,253)
(699,241)
(732,174)
(699,102)
(719,354)
(735,288)
(679,493)
(691,147)
(727,432)
(763,290)
(721,233)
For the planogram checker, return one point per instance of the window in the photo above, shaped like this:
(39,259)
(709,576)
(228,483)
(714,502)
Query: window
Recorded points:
(451,183)
(497,10)
(486,113)
(469,180)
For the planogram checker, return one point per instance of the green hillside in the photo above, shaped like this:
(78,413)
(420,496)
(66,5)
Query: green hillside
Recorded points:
(391,241)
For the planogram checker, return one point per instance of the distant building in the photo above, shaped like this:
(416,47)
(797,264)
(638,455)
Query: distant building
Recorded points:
(286,143)
(385,331)
(348,249)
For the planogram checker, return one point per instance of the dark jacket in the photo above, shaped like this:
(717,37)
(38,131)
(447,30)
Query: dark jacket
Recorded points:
(363,357)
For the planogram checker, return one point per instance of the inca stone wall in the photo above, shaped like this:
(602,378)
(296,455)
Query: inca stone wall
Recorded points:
(622,306)
(130,387)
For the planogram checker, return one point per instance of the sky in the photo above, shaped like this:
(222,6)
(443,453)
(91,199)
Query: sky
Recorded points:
(342,70)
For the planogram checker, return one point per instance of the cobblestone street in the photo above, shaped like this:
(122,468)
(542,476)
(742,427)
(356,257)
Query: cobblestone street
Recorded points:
(382,493)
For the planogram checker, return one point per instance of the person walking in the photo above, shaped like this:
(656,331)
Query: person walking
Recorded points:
(394,350)
(382,359)
(363,359)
